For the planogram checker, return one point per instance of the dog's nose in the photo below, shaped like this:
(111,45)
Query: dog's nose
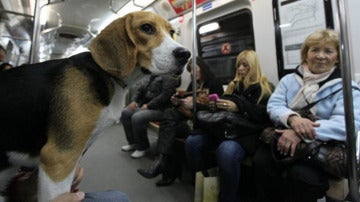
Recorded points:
(182,55)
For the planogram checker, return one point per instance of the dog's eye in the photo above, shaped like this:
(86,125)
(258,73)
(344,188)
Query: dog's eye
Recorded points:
(172,33)
(148,29)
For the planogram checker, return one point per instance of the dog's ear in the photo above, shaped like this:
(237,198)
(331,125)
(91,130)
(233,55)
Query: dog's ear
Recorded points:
(114,49)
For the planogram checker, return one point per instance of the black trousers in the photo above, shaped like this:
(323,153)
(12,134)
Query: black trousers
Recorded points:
(172,126)
(298,182)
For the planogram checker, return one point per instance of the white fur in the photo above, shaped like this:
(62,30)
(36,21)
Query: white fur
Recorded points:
(48,189)
(164,60)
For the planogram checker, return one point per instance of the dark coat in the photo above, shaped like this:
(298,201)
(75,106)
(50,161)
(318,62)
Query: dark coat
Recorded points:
(156,91)
(250,110)
(246,101)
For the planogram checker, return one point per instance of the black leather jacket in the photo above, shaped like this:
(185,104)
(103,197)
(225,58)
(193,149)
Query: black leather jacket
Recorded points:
(156,91)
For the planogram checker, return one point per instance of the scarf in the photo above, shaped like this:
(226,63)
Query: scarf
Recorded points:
(310,87)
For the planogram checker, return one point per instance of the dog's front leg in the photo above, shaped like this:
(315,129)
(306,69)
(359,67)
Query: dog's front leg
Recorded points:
(56,171)
(49,189)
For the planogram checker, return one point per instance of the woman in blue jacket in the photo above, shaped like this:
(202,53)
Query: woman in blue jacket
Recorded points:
(317,78)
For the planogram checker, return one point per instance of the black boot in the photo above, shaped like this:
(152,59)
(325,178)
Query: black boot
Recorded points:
(155,169)
(172,170)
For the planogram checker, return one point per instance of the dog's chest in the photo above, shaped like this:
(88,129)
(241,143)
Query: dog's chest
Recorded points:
(110,114)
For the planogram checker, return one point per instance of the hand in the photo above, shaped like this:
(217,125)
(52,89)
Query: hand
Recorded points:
(144,106)
(227,105)
(70,197)
(287,142)
(303,127)
(187,102)
(175,101)
(202,100)
(132,105)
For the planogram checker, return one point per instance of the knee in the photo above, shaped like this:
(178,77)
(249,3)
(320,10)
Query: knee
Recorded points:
(139,119)
(189,142)
(230,151)
(125,114)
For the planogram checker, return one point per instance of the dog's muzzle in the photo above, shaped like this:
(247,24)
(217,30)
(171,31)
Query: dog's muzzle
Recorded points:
(182,55)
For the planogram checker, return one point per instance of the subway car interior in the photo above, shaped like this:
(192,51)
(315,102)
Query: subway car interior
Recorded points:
(33,31)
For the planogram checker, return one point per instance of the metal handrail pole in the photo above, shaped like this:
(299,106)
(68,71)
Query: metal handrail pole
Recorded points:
(345,62)
(194,57)
(36,31)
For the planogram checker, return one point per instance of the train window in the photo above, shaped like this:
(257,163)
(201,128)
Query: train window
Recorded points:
(221,40)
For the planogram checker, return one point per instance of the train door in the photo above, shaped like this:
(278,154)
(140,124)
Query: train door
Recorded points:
(222,39)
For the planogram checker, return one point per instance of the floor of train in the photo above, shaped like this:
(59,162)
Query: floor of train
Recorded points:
(109,168)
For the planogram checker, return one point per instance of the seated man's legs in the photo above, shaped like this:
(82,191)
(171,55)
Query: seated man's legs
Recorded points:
(140,121)
(125,119)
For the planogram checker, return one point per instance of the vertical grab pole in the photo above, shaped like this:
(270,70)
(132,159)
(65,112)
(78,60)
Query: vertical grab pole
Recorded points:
(36,31)
(194,58)
(348,101)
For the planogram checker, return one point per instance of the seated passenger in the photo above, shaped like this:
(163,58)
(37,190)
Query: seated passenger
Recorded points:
(175,125)
(317,77)
(148,103)
(247,94)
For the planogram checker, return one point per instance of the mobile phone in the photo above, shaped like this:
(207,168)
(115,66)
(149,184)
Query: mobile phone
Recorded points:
(213,97)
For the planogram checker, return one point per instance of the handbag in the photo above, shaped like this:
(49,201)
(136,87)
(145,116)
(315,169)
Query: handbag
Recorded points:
(331,156)
(228,121)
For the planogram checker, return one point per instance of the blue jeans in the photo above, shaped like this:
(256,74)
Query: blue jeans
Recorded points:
(229,155)
(106,196)
(135,124)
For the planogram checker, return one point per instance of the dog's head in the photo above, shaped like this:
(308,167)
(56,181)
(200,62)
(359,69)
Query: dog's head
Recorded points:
(138,39)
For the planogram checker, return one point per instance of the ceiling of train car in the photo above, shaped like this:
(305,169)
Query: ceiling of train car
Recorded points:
(66,25)
(73,23)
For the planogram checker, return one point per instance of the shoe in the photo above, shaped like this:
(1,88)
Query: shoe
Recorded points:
(166,180)
(172,170)
(138,154)
(154,170)
(126,148)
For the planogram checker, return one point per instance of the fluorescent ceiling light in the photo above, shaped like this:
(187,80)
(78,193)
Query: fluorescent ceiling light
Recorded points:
(143,3)
(128,8)
(209,27)
(285,25)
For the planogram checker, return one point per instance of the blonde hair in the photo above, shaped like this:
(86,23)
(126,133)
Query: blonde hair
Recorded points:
(325,36)
(254,76)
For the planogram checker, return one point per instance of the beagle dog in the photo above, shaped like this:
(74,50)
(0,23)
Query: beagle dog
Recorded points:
(51,112)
